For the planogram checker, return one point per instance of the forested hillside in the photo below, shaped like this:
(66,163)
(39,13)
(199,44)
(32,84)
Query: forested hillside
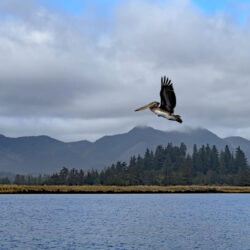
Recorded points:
(170,165)
(45,155)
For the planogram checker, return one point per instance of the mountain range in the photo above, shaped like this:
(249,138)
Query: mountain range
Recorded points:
(43,154)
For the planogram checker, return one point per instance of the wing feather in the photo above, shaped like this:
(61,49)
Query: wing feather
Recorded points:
(167,94)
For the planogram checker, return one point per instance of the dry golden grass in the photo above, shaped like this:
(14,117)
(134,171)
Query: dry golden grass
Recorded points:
(15,189)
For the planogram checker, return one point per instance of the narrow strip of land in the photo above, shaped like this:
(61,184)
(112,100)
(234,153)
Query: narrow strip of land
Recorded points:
(18,189)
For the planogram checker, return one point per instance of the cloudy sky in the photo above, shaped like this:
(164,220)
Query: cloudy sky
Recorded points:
(76,69)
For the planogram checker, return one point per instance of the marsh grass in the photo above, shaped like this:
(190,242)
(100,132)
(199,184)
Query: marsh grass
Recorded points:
(19,189)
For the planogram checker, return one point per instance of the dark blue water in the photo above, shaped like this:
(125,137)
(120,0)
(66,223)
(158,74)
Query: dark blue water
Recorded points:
(125,221)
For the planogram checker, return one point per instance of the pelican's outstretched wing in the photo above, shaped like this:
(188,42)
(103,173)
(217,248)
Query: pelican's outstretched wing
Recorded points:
(168,99)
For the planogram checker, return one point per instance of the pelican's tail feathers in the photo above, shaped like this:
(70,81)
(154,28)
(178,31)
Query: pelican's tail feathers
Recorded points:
(178,118)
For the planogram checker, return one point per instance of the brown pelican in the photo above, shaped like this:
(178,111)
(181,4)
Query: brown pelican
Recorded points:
(168,102)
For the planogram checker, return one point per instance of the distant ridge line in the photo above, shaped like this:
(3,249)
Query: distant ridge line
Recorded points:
(44,154)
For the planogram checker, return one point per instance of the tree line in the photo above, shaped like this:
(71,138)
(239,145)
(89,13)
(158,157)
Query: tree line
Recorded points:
(170,165)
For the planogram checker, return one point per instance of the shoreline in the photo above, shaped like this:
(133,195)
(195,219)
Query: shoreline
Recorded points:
(98,189)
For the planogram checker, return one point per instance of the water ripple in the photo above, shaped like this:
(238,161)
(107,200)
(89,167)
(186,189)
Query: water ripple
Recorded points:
(125,221)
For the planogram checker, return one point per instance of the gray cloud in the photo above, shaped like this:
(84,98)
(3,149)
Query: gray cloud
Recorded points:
(75,78)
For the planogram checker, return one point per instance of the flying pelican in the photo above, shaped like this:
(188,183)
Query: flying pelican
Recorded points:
(168,102)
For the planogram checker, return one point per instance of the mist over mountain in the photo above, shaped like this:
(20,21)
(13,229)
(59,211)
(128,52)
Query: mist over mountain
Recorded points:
(43,154)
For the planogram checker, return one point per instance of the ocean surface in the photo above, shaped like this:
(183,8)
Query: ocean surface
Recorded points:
(125,221)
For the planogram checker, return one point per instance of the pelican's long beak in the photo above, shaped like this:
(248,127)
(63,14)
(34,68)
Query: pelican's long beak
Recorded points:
(144,107)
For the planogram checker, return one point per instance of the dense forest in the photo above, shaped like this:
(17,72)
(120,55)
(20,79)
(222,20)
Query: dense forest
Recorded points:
(166,166)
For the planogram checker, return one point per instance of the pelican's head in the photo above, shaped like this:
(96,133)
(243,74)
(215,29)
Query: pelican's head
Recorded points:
(149,106)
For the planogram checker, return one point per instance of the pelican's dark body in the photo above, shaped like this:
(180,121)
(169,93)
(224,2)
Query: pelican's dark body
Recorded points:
(168,102)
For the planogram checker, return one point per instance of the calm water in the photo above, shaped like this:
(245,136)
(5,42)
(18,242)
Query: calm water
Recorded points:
(125,221)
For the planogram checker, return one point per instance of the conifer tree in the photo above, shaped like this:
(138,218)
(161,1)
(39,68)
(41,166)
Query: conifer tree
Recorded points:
(214,159)
(196,161)
(240,159)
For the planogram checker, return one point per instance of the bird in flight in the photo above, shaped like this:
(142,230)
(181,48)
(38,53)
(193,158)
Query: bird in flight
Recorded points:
(168,102)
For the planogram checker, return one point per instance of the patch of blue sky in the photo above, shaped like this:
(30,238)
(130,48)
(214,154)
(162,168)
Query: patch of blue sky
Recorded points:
(211,6)
(74,7)
(100,10)
(237,9)
(78,7)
